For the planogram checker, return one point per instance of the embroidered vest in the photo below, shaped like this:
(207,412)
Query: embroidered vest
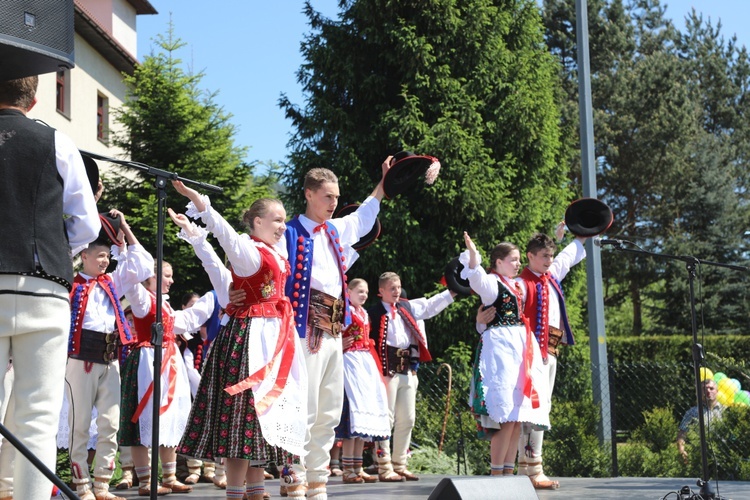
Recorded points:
(264,288)
(532,306)
(380,318)
(508,308)
(360,330)
(143,325)
(300,250)
(79,297)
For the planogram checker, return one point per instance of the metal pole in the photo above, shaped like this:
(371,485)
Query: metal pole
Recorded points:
(597,336)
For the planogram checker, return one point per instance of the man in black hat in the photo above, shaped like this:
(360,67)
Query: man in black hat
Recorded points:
(44,180)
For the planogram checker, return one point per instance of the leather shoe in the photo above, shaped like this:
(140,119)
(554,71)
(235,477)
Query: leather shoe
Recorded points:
(390,477)
(407,475)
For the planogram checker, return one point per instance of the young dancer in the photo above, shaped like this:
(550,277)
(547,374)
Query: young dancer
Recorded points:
(544,306)
(252,395)
(508,384)
(365,411)
(401,345)
(138,376)
(320,252)
(98,330)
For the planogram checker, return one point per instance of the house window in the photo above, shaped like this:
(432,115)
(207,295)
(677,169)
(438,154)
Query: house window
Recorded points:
(62,85)
(102,117)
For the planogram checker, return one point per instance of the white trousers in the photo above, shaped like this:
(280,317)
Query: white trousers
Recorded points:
(325,398)
(530,441)
(34,326)
(100,388)
(402,399)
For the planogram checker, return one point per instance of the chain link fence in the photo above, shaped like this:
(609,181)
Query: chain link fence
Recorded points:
(626,425)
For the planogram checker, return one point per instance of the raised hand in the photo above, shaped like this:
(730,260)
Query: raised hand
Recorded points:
(191,194)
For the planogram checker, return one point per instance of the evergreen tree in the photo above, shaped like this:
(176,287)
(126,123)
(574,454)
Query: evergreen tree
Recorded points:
(468,81)
(668,112)
(171,124)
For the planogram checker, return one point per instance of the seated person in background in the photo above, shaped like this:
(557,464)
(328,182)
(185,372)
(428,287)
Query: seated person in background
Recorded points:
(712,409)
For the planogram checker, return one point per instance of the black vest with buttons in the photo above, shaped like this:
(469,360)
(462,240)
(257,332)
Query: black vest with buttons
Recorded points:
(31,191)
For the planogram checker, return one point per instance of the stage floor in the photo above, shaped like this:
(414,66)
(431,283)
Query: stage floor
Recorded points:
(632,488)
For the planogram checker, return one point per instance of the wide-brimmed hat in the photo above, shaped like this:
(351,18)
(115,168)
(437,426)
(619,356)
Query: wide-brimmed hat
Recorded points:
(406,170)
(92,172)
(369,237)
(110,228)
(453,279)
(588,217)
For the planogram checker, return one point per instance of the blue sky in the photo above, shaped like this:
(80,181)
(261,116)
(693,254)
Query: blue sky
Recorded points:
(249,52)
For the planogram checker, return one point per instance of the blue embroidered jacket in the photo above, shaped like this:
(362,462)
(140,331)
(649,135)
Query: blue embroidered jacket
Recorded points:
(299,247)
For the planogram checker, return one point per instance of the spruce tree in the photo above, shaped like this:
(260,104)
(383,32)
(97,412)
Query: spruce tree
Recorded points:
(467,81)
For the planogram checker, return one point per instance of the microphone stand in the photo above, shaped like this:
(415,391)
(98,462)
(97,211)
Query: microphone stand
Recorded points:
(706,491)
(157,329)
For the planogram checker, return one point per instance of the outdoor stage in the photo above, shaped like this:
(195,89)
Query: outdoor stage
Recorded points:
(576,487)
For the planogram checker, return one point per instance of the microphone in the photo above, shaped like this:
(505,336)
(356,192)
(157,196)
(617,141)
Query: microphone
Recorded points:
(602,242)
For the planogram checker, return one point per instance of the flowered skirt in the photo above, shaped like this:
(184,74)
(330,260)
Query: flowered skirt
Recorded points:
(228,426)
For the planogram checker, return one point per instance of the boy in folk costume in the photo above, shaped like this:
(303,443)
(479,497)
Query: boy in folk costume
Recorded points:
(320,252)
(544,306)
(98,329)
(401,345)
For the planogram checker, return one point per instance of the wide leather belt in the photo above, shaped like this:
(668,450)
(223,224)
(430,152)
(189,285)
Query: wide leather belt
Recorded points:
(399,360)
(554,339)
(98,347)
(326,312)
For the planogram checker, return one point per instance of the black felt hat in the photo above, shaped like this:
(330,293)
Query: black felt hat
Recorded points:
(110,228)
(453,279)
(406,171)
(588,217)
(92,172)
(367,239)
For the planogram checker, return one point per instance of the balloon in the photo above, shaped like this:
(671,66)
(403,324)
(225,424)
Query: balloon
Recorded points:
(726,391)
(742,398)
(706,373)
(725,397)
(718,376)
(736,384)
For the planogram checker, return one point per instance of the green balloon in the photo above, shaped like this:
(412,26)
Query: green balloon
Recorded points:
(742,398)
(719,375)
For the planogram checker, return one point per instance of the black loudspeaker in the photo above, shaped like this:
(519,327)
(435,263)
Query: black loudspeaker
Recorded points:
(36,36)
(484,487)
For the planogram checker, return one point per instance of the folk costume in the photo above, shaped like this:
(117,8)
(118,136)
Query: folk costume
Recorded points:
(43,178)
(196,349)
(508,380)
(320,255)
(138,370)
(401,345)
(365,410)
(252,394)
(98,329)
(544,306)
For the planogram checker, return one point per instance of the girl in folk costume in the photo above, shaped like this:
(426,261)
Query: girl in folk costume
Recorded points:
(508,386)
(197,348)
(365,413)
(253,392)
(138,376)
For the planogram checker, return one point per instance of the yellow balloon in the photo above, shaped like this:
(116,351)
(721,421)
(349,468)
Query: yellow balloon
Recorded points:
(706,373)
(725,397)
